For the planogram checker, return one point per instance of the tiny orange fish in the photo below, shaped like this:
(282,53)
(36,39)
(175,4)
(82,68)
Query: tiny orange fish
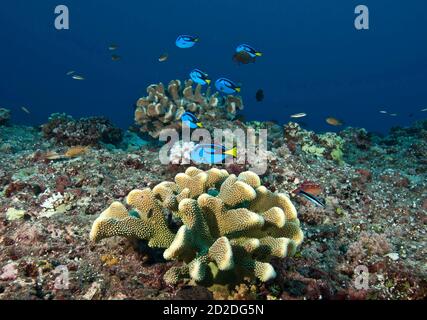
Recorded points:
(334,121)
(76,151)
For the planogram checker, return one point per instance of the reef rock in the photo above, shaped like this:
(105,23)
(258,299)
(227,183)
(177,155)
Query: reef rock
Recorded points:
(163,107)
(65,130)
(328,145)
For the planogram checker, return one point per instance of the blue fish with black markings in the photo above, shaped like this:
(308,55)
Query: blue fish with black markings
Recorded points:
(250,50)
(311,198)
(200,77)
(227,86)
(191,121)
(186,41)
(211,154)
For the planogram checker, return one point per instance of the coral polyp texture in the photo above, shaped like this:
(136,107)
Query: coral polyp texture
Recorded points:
(163,107)
(231,225)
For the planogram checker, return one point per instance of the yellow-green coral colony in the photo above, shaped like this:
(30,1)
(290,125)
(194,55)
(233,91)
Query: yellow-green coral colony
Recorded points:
(232,226)
(328,144)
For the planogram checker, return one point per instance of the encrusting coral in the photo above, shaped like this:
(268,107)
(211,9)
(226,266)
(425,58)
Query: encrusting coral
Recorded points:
(163,107)
(328,145)
(65,130)
(231,225)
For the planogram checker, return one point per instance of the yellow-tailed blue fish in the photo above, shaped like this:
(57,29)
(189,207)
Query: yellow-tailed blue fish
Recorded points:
(186,41)
(247,48)
(191,120)
(227,86)
(212,153)
(200,77)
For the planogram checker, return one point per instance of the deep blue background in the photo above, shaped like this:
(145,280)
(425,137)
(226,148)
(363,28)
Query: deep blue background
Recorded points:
(314,61)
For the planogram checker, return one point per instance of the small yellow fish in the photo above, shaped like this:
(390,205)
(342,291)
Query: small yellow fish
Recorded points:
(76,77)
(334,121)
(164,57)
(76,151)
(393,114)
(25,110)
(69,73)
(113,47)
(383,111)
(115,57)
(298,115)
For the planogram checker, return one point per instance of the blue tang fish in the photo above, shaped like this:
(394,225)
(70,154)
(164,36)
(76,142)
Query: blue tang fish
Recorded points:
(227,86)
(211,153)
(200,77)
(185,42)
(190,120)
(246,48)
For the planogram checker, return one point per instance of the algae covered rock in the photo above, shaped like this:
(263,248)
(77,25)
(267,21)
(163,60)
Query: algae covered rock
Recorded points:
(63,129)
(231,225)
(327,145)
(4,116)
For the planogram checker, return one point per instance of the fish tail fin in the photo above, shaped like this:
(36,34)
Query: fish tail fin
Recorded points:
(208,81)
(258,54)
(238,89)
(232,152)
(199,124)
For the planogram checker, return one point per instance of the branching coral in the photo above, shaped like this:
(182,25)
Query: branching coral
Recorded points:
(163,107)
(231,226)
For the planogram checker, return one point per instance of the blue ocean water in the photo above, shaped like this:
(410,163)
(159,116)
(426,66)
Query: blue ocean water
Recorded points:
(315,61)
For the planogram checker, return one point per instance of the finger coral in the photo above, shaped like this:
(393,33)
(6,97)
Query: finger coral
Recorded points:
(231,225)
(163,107)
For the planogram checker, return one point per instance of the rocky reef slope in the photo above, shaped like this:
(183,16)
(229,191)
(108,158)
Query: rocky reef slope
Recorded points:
(375,189)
